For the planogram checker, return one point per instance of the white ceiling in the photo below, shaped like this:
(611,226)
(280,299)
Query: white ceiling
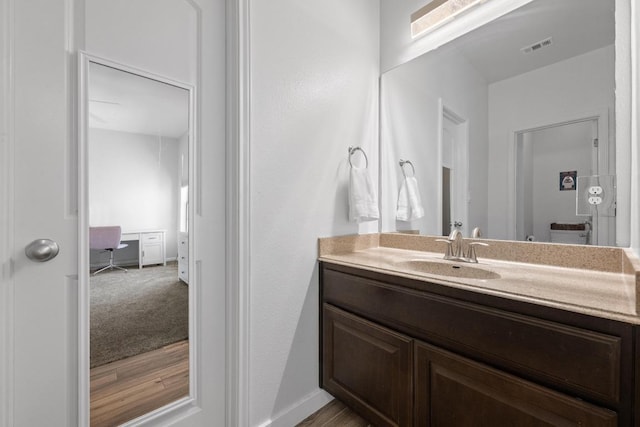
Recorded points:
(128,102)
(576,26)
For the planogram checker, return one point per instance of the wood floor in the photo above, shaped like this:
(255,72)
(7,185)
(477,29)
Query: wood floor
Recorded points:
(334,414)
(125,389)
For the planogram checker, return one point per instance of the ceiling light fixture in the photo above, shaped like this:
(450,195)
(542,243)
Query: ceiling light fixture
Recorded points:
(436,13)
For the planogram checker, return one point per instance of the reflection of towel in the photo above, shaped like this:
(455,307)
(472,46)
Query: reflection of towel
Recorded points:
(409,204)
(363,201)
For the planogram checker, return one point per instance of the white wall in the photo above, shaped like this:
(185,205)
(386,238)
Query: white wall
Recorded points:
(635,137)
(576,87)
(134,182)
(410,131)
(314,78)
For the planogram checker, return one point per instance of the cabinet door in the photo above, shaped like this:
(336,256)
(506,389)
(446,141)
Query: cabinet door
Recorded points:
(368,367)
(454,391)
(152,253)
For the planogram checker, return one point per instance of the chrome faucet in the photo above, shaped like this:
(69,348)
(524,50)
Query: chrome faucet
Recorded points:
(455,237)
(455,247)
(471,251)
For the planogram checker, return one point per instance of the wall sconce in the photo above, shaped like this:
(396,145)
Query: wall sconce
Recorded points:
(436,13)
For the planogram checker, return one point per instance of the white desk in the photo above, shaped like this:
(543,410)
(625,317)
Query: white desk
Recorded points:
(151,245)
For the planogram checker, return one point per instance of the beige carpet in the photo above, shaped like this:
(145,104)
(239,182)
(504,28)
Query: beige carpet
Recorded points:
(135,312)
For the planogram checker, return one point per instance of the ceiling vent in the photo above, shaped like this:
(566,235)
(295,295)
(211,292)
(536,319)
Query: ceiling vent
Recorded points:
(537,45)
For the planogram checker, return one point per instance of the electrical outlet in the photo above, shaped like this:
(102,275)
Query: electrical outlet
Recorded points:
(595,200)
(595,190)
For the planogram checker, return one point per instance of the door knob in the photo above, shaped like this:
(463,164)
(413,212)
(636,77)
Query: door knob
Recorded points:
(41,250)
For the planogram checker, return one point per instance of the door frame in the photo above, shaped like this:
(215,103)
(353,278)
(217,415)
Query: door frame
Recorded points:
(6,215)
(606,162)
(238,201)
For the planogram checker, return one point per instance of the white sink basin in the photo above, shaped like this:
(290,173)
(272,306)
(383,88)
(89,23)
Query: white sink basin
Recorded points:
(461,270)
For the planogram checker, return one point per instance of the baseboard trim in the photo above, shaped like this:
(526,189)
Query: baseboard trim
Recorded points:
(299,411)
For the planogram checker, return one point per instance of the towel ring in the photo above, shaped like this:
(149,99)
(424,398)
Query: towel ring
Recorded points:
(352,150)
(407,162)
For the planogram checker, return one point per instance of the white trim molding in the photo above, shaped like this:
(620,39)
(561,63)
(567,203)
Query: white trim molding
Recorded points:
(625,119)
(300,410)
(83,242)
(238,212)
(6,215)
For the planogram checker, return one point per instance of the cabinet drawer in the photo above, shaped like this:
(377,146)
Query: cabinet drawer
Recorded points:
(183,271)
(454,391)
(129,237)
(152,237)
(575,360)
(368,367)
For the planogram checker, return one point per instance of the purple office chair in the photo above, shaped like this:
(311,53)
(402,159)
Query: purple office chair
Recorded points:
(106,239)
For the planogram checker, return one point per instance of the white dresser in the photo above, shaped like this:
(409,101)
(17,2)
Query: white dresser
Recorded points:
(151,246)
(183,256)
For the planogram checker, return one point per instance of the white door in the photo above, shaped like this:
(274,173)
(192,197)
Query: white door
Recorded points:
(38,194)
(38,298)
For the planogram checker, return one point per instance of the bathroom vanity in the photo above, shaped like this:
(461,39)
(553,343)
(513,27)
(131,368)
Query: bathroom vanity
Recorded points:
(403,346)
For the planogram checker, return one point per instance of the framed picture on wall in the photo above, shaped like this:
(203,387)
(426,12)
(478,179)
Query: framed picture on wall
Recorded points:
(568,180)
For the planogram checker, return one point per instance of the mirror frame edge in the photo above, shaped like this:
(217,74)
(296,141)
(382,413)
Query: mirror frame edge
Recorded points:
(84,59)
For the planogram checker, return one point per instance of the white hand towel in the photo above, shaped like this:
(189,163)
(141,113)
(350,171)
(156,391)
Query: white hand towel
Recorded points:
(363,200)
(409,204)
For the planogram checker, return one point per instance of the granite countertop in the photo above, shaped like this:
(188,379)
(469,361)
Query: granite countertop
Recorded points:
(601,282)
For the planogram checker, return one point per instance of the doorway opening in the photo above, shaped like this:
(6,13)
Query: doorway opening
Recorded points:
(454,161)
(549,163)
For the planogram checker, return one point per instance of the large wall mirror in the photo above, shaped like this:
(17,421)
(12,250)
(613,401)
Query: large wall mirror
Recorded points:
(137,143)
(512,128)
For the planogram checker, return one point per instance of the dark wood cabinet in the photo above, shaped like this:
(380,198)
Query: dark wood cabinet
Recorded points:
(471,358)
(368,367)
(452,391)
